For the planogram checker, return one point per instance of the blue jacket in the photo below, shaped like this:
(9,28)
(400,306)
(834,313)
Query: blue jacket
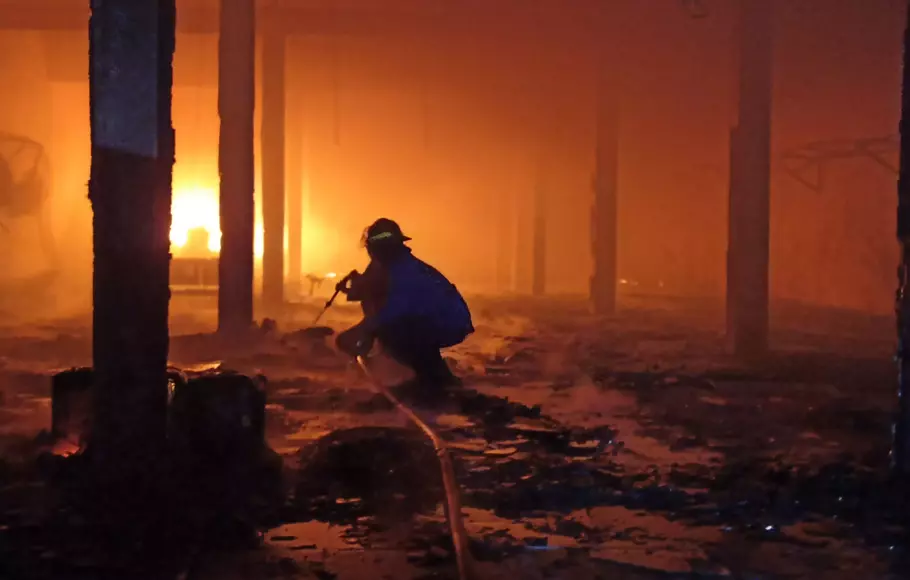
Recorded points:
(416,289)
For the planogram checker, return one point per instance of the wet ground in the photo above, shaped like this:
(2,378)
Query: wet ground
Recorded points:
(630,447)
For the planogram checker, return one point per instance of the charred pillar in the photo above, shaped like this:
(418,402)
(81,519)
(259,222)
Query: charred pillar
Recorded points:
(521,270)
(131,49)
(505,250)
(236,104)
(539,233)
(295,215)
(294,190)
(273,152)
(900,455)
(750,185)
(604,212)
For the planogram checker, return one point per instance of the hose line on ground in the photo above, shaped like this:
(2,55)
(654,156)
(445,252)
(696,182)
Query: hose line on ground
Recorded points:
(453,500)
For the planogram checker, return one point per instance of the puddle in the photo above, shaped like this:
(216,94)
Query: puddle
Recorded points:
(606,408)
(482,523)
(202,367)
(548,462)
(647,540)
(475,446)
(714,401)
(454,422)
(313,536)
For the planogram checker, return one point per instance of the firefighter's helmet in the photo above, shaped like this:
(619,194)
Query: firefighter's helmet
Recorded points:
(383,231)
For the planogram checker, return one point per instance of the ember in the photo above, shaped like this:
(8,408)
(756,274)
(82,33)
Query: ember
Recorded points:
(65,448)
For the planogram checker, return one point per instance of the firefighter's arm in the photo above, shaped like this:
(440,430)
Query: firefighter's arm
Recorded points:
(358,290)
(365,285)
(397,304)
(344,285)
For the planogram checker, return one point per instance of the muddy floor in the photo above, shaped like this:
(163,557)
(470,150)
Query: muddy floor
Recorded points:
(630,447)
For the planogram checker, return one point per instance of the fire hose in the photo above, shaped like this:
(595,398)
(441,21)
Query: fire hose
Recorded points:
(453,500)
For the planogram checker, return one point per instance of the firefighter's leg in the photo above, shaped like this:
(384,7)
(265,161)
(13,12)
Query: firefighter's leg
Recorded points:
(412,343)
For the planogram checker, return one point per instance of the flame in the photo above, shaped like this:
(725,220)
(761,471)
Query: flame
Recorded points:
(65,448)
(196,207)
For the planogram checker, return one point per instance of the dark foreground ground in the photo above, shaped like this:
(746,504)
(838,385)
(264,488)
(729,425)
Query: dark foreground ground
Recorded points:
(628,448)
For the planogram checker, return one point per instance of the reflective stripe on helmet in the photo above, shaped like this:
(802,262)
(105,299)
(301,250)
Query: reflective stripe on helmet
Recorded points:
(380,236)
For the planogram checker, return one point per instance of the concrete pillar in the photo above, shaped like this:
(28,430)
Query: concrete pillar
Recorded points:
(295,167)
(539,234)
(273,168)
(522,234)
(236,106)
(130,191)
(604,223)
(750,186)
(505,251)
(900,454)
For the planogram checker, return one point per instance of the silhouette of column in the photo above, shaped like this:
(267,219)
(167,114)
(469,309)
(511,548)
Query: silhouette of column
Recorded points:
(539,233)
(273,168)
(750,186)
(900,455)
(236,105)
(295,166)
(604,211)
(130,79)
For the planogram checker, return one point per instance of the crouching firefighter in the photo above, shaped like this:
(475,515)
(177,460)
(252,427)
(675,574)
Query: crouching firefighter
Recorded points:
(409,307)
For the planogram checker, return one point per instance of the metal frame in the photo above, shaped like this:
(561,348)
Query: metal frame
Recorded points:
(807,164)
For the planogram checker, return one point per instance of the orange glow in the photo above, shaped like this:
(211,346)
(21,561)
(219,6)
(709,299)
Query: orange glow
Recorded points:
(64,448)
(195,207)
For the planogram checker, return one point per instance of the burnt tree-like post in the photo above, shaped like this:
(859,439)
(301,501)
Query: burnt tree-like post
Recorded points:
(900,455)
(604,221)
(236,104)
(750,186)
(131,49)
(273,166)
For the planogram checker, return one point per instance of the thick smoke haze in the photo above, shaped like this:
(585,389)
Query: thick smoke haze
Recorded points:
(451,135)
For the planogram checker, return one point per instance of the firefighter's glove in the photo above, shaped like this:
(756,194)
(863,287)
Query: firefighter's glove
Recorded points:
(344,285)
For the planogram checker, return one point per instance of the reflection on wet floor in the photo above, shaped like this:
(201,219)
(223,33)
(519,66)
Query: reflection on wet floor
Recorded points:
(516,470)
(573,453)
(316,537)
(649,541)
(576,468)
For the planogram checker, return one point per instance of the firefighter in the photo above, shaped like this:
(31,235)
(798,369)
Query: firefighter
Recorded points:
(409,307)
